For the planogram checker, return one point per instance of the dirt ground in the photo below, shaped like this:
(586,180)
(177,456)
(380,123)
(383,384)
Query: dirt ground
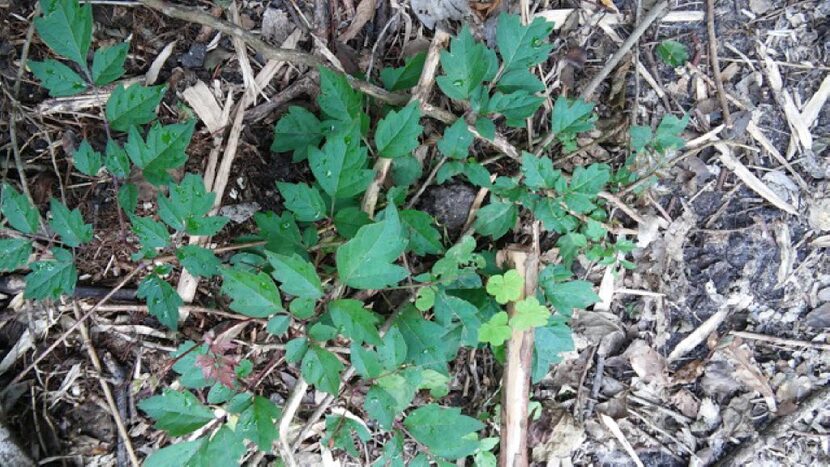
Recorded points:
(715,348)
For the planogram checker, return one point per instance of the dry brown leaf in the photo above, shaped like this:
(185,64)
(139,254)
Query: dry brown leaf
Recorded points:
(649,365)
(753,182)
(748,373)
(364,12)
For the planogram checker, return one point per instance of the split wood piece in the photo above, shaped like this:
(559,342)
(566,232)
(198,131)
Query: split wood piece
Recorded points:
(559,16)
(518,365)
(753,182)
(420,94)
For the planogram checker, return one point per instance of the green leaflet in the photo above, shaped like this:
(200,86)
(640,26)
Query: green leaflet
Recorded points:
(297,276)
(151,234)
(495,331)
(87,160)
(358,323)
(539,172)
(322,369)
(570,117)
(672,53)
(397,133)
(496,219)
(176,412)
(14,253)
(162,300)
(134,105)
(366,261)
(515,107)
(253,294)
(520,46)
(466,65)
(565,296)
(444,430)
(280,232)
(108,63)
(52,278)
(340,431)
(199,261)
(69,224)
(57,78)
(549,341)
(186,207)
(163,150)
(337,99)
(298,131)
(424,238)
(303,200)
(506,288)
(66,27)
(116,160)
(17,208)
(455,143)
(278,324)
(225,448)
(397,79)
(426,345)
(340,167)
(529,313)
(258,423)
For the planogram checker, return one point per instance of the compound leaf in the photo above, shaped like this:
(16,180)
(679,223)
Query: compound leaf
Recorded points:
(258,422)
(507,287)
(466,65)
(87,160)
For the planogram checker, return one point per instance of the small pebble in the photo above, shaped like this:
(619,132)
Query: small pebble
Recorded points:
(195,57)
(824,295)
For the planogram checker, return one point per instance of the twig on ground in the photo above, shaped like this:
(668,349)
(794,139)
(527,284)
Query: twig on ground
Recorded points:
(714,62)
(656,12)
(123,434)
(78,322)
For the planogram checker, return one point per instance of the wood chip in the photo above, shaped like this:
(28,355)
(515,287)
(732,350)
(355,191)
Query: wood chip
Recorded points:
(153,73)
(201,100)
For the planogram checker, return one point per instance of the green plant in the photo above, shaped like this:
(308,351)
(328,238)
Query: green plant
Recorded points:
(322,245)
(672,53)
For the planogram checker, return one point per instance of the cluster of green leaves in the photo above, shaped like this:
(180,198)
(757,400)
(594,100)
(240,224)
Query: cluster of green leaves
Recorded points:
(460,298)
(649,148)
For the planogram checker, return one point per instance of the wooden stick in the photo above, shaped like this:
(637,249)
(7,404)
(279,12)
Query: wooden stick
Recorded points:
(657,11)
(714,63)
(517,368)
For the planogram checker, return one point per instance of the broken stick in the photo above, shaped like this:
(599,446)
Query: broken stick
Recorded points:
(517,368)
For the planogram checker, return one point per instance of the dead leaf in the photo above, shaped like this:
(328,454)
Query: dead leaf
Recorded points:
(566,436)
(819,217)
(363,14)
(748,373)
(430,12)
(686,403)
(649,365)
